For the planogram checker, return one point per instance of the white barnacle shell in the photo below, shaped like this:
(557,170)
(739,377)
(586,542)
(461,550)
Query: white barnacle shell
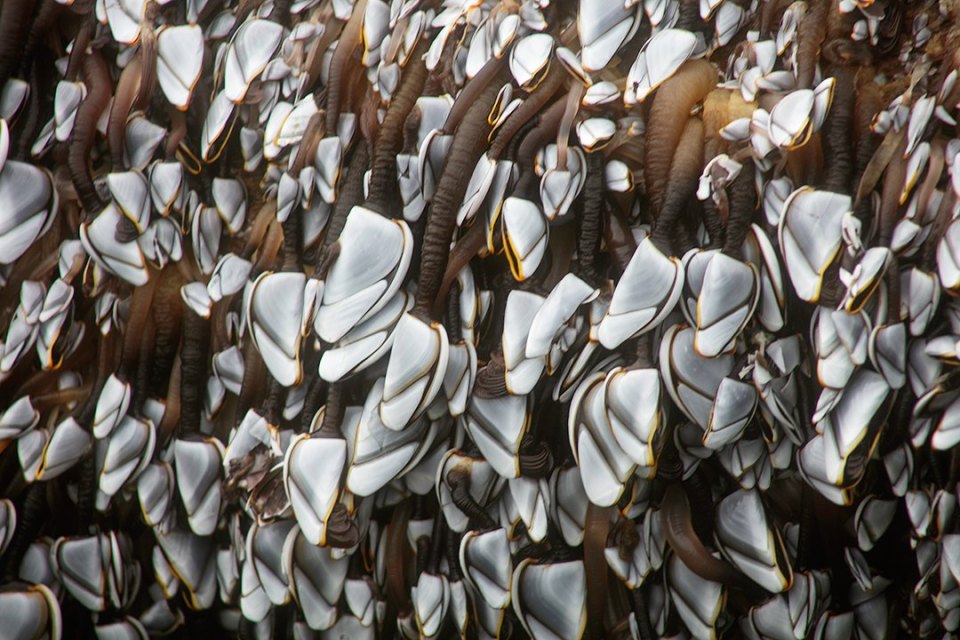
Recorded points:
(179,62)
(28,205)
(659,59)
(810,232)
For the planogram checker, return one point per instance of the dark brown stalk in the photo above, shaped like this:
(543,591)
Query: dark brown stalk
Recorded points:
(141,378)
(349,39)
(52,399)
(527,110)
(126,93)
(469,244)
(595,530)
(97,79)
(684,174)
(941,221)
(47,16)
(678,528)
(619,240)
(315,394)
(590,223)
(396,560)
(743,204)
(312,136)
(193,358)
(838,134)
(534,459)
(254,371)
(467,99)
(106,356)
(15,17)
(281,12)
(893,181)
(541,135)
(30,522)
(332,412)
(292,240)
(770,13)
(148,58)
(167,429)
(79,50)
(167,308)
(140,306)
(665,126)
(383,165)
(349,195)
(342,531)
(459,482)
(811,33)
(178,131)
(468,144)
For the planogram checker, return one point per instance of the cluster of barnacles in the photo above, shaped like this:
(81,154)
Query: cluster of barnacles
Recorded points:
(409,318)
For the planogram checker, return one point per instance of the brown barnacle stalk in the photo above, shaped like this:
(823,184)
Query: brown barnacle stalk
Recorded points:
(383,171)
(126,93)
(743,204)
(97,79)
(467,146)
(528,109)
(166,310)
(665,127)
(618,240)
(342,530)
(595,530)
(684,174)
(590,223)
(350,37)
(349,194)
(811,33)
(15,18)
(313,65)
(550,118)
(837,133)
(137,340)
(459,481)
(397,560)
(887,217)
(679,532)
(943,216)
(194,361)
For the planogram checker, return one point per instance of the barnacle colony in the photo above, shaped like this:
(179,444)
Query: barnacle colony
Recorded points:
(333,318)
